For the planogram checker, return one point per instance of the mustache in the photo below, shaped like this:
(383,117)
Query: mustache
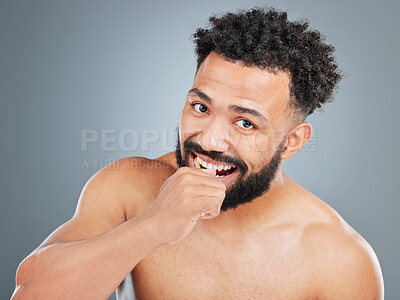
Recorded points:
(189,146)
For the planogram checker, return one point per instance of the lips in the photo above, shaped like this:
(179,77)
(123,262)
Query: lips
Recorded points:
(223,170)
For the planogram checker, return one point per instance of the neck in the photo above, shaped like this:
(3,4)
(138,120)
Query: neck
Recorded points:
(250,217)
(253,216)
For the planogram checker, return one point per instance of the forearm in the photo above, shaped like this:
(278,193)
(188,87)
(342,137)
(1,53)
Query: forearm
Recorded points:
(85,269)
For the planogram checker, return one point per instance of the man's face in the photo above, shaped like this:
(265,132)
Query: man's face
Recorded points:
(234,120)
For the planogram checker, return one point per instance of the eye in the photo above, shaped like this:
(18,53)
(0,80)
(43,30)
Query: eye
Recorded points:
(245,124)
(199,107)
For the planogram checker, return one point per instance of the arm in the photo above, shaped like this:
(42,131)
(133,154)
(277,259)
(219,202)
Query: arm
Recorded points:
(357,276)
(87,257)
(348,267)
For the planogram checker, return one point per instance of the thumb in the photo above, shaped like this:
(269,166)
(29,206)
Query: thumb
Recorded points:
(210,171)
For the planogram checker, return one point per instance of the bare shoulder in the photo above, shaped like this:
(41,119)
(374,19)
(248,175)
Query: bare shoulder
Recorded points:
(342,262)
(137,180)
(113,195)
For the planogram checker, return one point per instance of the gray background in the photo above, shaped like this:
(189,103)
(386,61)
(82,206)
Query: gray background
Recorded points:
(68,66)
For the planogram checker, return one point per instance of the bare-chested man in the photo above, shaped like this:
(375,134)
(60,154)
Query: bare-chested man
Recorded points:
(218,219)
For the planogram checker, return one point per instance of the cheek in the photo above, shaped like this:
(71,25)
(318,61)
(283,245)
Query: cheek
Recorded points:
(256,145)
(256,150)
(190,123)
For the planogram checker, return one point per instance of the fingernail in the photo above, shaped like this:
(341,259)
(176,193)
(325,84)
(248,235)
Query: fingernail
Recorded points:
(210,171)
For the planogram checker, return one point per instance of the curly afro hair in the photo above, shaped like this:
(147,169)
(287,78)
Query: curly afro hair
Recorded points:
(265,38)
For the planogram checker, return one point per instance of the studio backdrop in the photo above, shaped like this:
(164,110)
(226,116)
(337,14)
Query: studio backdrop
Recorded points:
(85,83)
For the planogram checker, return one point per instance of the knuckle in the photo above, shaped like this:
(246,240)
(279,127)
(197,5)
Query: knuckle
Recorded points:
(213,205)
(187,190)
(187,178)
(216,207)
(220,194)
(221,185)
(183,170)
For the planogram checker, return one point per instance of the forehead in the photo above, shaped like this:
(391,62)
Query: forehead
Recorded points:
(235,83)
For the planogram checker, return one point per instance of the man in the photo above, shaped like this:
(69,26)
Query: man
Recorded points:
(218,219)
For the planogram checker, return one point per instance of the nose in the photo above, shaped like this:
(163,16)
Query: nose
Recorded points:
(215,136)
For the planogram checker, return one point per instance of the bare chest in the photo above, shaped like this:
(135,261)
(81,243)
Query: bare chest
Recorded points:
(197,268)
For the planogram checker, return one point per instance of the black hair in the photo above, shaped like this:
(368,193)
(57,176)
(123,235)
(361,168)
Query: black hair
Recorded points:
(265,38)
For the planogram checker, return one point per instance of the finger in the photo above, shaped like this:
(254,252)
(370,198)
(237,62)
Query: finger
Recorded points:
(212,172)
(210,205)
(217,199)
(209,215)
(209,181)
(198,171)
(205,216)
(205,172)
(208,191)
(200,177)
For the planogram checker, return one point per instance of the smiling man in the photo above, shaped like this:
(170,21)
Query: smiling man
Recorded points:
(218,219)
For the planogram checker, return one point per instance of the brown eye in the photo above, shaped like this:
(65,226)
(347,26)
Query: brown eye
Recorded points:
(199,107)
(245,124)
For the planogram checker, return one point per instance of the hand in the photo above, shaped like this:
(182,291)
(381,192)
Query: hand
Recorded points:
(188,195)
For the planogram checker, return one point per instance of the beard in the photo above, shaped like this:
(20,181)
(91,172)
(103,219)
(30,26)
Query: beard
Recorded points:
(248,186)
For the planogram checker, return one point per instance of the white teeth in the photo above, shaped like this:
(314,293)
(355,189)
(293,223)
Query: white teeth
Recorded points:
(202,163)
(211,166)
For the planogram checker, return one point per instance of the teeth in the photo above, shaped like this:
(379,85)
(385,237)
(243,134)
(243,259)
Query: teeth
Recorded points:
(201,162)
(196,162)
(210,165)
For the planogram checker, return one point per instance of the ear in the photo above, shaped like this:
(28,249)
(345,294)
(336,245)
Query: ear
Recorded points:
(296,139)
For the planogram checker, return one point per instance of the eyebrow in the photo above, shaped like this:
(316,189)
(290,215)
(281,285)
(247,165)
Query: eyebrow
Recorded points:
(202,95)
(235,108)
